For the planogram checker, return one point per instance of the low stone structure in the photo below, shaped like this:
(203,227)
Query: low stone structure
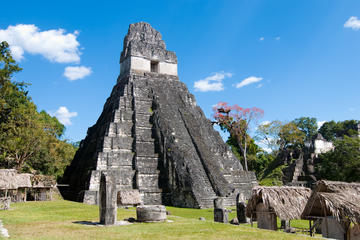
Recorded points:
(128,197)
(337,204)
(107,200)
(221,214)
(267,203)
(150,213)
(241,212)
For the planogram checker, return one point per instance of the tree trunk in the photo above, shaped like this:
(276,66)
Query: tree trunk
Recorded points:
(244,155)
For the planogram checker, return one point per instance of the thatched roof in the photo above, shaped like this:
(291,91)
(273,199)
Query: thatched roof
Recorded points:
(23,180)
(338,199)
(8,179)
(287,202)
(42,181)
(11,180)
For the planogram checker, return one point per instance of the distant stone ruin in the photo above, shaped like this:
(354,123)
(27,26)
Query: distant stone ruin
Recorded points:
(153,137)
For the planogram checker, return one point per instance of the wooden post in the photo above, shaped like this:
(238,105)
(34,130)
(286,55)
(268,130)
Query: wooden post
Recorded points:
(310,230)
(251,219)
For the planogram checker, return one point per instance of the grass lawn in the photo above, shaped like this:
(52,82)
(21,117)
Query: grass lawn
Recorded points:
(58,220)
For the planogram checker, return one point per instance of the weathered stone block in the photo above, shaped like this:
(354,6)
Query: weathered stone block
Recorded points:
(152,197)
(221,215)
(124,129)
(128,197)
(241,212)
(122,142)
(107,199)
(150,213)
(91,197)
(145,149)
(266,218)
(218,203)
(123,158)
(147,164)
(147,180)
(143,106)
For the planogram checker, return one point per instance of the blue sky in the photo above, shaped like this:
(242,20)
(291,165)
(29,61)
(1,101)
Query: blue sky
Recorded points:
(294,58)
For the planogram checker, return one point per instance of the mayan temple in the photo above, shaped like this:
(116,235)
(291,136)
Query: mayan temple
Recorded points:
(153,137)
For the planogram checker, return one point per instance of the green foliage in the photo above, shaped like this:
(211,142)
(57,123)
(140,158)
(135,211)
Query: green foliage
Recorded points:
(342,164)
(251,153)
(307,125)
(29,140)
(272,175)
(268,135)
(290,136)
(333,130)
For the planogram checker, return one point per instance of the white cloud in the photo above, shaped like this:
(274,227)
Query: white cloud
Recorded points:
(63,115)
(212,82)
(260,85)
(248,81)
(277,38)
(55,45)
(77,72)
(353,23)
(320,123)
(261,39)
(265,122)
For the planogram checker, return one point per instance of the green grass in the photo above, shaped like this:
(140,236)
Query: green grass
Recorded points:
(57,220)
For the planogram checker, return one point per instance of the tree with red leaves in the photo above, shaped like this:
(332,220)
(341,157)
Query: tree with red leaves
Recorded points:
(237,120)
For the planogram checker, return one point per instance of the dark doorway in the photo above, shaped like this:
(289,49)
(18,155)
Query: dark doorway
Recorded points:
(154,66)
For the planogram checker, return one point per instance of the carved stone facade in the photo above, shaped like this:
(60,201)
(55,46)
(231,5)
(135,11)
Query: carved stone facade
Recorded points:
(154,138)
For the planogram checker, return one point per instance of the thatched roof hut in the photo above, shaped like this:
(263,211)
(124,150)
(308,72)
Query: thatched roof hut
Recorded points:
(8,179)
(287,202)
(23,180)
(338,199)
(42,181)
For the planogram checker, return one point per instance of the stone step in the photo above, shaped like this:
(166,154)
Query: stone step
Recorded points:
(145,149)
(142,106)
(146,164)
(124,176)
(151,198)
(120,158)
(119,129)
(118,142)
(123,114)
(143,134)
(147,180)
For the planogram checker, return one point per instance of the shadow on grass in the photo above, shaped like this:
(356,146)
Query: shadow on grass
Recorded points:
(87,223)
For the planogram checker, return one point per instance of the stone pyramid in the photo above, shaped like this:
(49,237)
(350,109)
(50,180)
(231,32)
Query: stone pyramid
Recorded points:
(153,137)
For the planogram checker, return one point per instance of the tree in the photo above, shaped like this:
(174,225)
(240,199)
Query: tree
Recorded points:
(343,163)
(290,136)
(268,135)
(334,130)
(308,126)
(328,130)
(29,140)
(237,120)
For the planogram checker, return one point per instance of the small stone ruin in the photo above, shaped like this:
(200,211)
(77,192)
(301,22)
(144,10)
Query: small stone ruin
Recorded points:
(150,213)
(240,210)
(221,214)
(108,195)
